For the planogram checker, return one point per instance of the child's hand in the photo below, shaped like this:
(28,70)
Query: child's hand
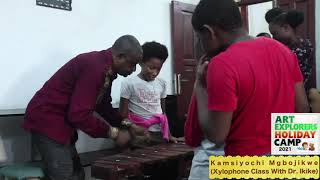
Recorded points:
(176,140)
(123,138)
(201,72)
(181,139)
(138,130)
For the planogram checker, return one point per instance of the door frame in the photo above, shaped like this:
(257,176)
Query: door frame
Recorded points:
(175,7)
(243,4)
(178,41)
(250,2)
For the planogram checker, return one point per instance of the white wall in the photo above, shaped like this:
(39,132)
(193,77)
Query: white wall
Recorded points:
(31,51)
(318,42)
(256,13)
(36,41)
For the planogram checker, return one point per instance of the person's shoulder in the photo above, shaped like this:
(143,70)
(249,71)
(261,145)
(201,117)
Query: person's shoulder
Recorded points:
(131,79)
(161,81)
(87,58)
(221,60)
(93,56)
(90,54)
(274,46)
(239,52)
(262,41)
(306,43)
(279,50)
(241,49)
(88,61)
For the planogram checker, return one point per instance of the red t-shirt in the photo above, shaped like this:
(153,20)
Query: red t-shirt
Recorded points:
(252,79)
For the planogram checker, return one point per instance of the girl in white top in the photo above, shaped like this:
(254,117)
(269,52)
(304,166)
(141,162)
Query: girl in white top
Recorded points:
(144,94)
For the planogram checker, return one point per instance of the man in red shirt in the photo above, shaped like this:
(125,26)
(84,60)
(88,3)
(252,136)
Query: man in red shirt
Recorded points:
(77,97)
(247,80)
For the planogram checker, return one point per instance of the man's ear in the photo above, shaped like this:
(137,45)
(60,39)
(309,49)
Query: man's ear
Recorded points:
(210,30)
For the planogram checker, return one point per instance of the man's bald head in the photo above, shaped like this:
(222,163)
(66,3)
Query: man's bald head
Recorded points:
(127,45)
(126,52)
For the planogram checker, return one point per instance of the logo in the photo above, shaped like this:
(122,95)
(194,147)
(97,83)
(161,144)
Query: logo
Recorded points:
(295,133)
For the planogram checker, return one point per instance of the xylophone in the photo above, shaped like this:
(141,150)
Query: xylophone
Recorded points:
(146,163)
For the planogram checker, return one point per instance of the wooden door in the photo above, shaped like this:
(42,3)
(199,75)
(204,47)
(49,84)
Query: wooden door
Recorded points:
(184,42)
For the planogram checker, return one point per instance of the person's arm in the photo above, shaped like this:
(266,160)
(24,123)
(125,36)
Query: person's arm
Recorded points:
(81,113)
(163,105)
(105,109)
(123,107)
(163,95)
(215,111)
(308,63)
(214,124)
(301,100)
(126,91)
(83,101)
(125,94)
(163,108)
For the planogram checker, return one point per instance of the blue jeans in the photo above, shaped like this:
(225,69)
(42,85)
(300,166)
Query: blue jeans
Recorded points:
(200,163)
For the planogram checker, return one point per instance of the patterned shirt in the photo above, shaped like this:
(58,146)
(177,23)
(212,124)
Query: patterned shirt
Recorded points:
(304,52)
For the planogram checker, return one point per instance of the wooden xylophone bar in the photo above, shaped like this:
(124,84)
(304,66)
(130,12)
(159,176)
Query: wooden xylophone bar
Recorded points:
(143,163)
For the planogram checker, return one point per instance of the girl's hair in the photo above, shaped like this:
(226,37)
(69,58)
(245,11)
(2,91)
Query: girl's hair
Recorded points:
(154,50)
(279,16)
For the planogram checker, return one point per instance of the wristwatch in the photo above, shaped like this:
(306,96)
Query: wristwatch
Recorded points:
(113,132)
(126,123)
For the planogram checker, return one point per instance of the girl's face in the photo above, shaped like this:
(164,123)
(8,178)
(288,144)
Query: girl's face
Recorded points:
(151,68)
(282,33)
